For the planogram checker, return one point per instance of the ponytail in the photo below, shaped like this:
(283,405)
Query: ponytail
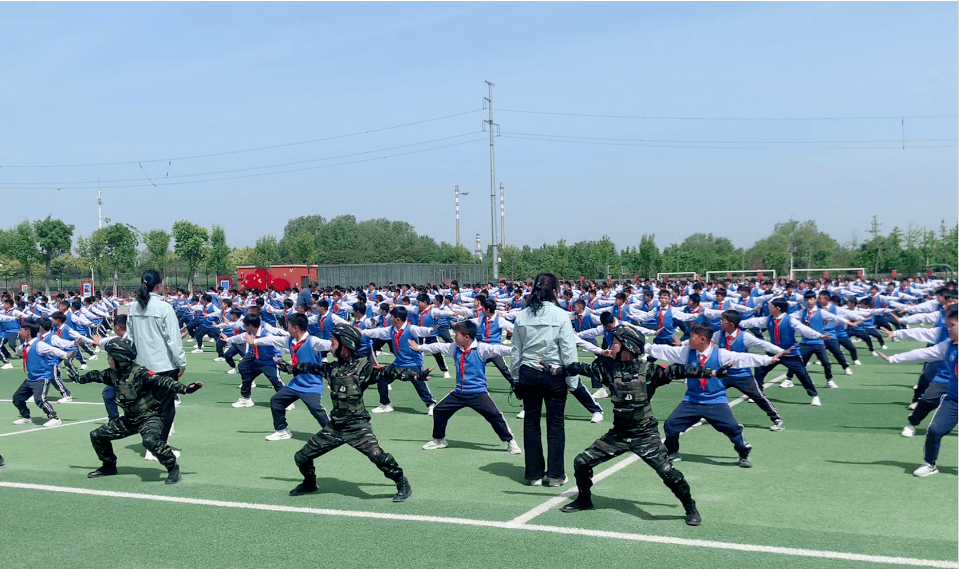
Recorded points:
(151,278)
(545,286)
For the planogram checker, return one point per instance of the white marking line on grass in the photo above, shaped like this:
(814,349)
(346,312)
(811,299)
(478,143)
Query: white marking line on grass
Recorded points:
(501,525)
(50,428)
(560,498)
(61,402)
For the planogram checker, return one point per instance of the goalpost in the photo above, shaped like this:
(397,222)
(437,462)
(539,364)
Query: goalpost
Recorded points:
(683,275)
(828,273)
(760,275)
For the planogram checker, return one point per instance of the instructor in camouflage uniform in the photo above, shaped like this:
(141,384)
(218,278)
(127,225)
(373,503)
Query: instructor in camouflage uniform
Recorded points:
(349,422)
(140,393)
(631,381)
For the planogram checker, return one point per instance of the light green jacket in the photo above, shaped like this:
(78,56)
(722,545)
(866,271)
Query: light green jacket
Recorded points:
(156,334)
(547,335)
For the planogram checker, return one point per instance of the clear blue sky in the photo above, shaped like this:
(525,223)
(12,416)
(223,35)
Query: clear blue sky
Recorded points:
(122,88)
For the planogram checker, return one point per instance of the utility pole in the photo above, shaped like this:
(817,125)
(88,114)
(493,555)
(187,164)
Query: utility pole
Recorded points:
(502,215)
(458,194)
(492,181)
(99,206)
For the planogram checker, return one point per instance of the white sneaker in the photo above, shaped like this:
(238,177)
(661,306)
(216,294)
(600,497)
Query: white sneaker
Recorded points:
(831,384)
(535,482)
(280,435)
(521,414)
(53,423)
(219,359)
(389,388)
(290,407)
(926,470)
(196,351)
(252,385)
(848,371)
(786,384)
(66,399)
(884,347)
(93,357)
(815,401)
(908,431)
(600,393)
(912,406)
(176,453)
(429,410)
(177,402)
(231,371)
(597,418)
(96,350)
(446,375)
(777,425)
(513,448)
(388,408)
(23,421)
(149,456)
(173,431)
(83,366)
(243,402)
(435,444)
(7,365)
(554,482)
(874,353)
(895,340)
(857,362)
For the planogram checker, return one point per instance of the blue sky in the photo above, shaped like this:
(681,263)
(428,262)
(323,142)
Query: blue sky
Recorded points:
(115,91)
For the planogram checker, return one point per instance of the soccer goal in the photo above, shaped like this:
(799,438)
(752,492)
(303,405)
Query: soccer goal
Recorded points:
(758,275)
(828,273)
(677,276)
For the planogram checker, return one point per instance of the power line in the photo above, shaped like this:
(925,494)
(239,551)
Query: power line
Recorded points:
(228,152)
(897,117)
(657,145)
(897,140)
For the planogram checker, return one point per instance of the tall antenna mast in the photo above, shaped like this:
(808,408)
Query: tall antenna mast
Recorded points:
(502,215)
(99,206)
(492,182)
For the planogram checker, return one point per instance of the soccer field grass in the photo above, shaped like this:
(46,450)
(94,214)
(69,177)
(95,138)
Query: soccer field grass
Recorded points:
(835,489)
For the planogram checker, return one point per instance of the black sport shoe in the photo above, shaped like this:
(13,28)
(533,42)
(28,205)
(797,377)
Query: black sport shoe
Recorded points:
(744,460)
(174,475)
(692,514)
(403,490)
(305,488)
(579,504)
(105,470)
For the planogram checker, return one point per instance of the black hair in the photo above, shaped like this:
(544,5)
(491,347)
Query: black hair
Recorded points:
(701,329)
(323,304)
(399,312)
(606,318)
(32,327)
(545,286)
(151,278)
(423,298)
(467,328)
(252,320)
(488,304)
(359,307)
(58,316)
(299,320)
(733,317)
(121,321)
(780,303)
(694,297)
(44,323)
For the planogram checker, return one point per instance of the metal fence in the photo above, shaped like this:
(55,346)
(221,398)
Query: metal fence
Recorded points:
(386,273)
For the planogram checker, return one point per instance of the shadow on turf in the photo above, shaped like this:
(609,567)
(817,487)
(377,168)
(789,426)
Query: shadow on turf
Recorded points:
(155,474)
(341,487)
(297,436)
(461,444)
(907,467)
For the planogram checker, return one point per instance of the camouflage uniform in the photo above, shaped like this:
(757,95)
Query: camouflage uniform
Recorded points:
(631,385)
(140,393)
(349,421)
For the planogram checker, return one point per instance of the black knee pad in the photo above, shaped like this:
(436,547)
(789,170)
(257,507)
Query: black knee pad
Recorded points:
(300,459)
(667,472)
(151,441)
(580,463)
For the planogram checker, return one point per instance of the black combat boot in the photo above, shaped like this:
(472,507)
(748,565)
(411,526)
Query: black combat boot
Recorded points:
(108,469)
(308,485)
(744,459)
(582,502)
(403,490)
(174,476)
(692,514)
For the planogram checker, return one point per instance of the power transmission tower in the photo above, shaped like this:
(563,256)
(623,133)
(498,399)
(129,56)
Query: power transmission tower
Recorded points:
(492,179)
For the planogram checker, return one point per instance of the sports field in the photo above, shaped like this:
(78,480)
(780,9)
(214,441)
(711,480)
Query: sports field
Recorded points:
(835,489)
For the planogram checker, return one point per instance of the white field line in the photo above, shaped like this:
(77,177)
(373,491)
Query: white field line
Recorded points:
(745,547)
(49,428)
(560,498)
(63,403)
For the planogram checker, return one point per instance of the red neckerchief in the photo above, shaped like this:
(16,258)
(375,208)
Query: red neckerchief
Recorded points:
(463,364)
(396,338)
(730,339)
(423,314)
(296,347)
(703,380)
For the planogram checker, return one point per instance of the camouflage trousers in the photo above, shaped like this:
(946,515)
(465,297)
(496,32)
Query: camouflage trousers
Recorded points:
(150,429)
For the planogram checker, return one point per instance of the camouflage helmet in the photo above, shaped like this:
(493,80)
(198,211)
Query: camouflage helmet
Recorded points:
(348,336)
(121,350)
(629,338)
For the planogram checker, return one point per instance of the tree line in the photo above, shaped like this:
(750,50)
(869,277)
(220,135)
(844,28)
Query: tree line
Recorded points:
(47,247)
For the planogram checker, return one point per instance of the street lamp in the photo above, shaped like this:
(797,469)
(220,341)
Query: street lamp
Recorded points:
(792,250)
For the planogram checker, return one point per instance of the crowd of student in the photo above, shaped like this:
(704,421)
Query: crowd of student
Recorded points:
(711,325)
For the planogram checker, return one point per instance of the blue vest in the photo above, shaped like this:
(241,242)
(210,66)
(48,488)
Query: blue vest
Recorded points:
(581,322)
(816,323)
(405,357)
(366,344)
(738,345)
(667,325)
(470,371)
(714,322)
(426,318)
(265,353)
(75,324)
(305,382)
(787,336)
(324,326)
(12,326)
(715,391)
(39,368)
(951,364)
(489,331)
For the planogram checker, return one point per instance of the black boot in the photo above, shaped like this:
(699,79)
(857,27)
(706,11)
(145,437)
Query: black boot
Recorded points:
(108,469)
(744,459)
(174,475)
(403,490)
(308,485)
(692,514)
(1,461)
(582,502)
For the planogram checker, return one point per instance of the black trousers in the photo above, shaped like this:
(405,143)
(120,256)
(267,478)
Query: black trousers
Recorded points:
(500,364)
(250,370)
(647,446)
(807,351)
(358,435)
(383,387)
(794,364)
(282,399)
(751,389)
(719,415)
(928,402)
(845,342)
(479,402)
(440,360)
(150,429)
(539,388)
(942,423)
(36,390)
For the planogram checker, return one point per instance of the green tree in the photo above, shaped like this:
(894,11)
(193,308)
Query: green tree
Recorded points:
(158,248)
(266,252)
(240,257)
(93,252)
(300,249)
(190,246)
(121,248)
(54,238)
(21,244)
(216,261)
